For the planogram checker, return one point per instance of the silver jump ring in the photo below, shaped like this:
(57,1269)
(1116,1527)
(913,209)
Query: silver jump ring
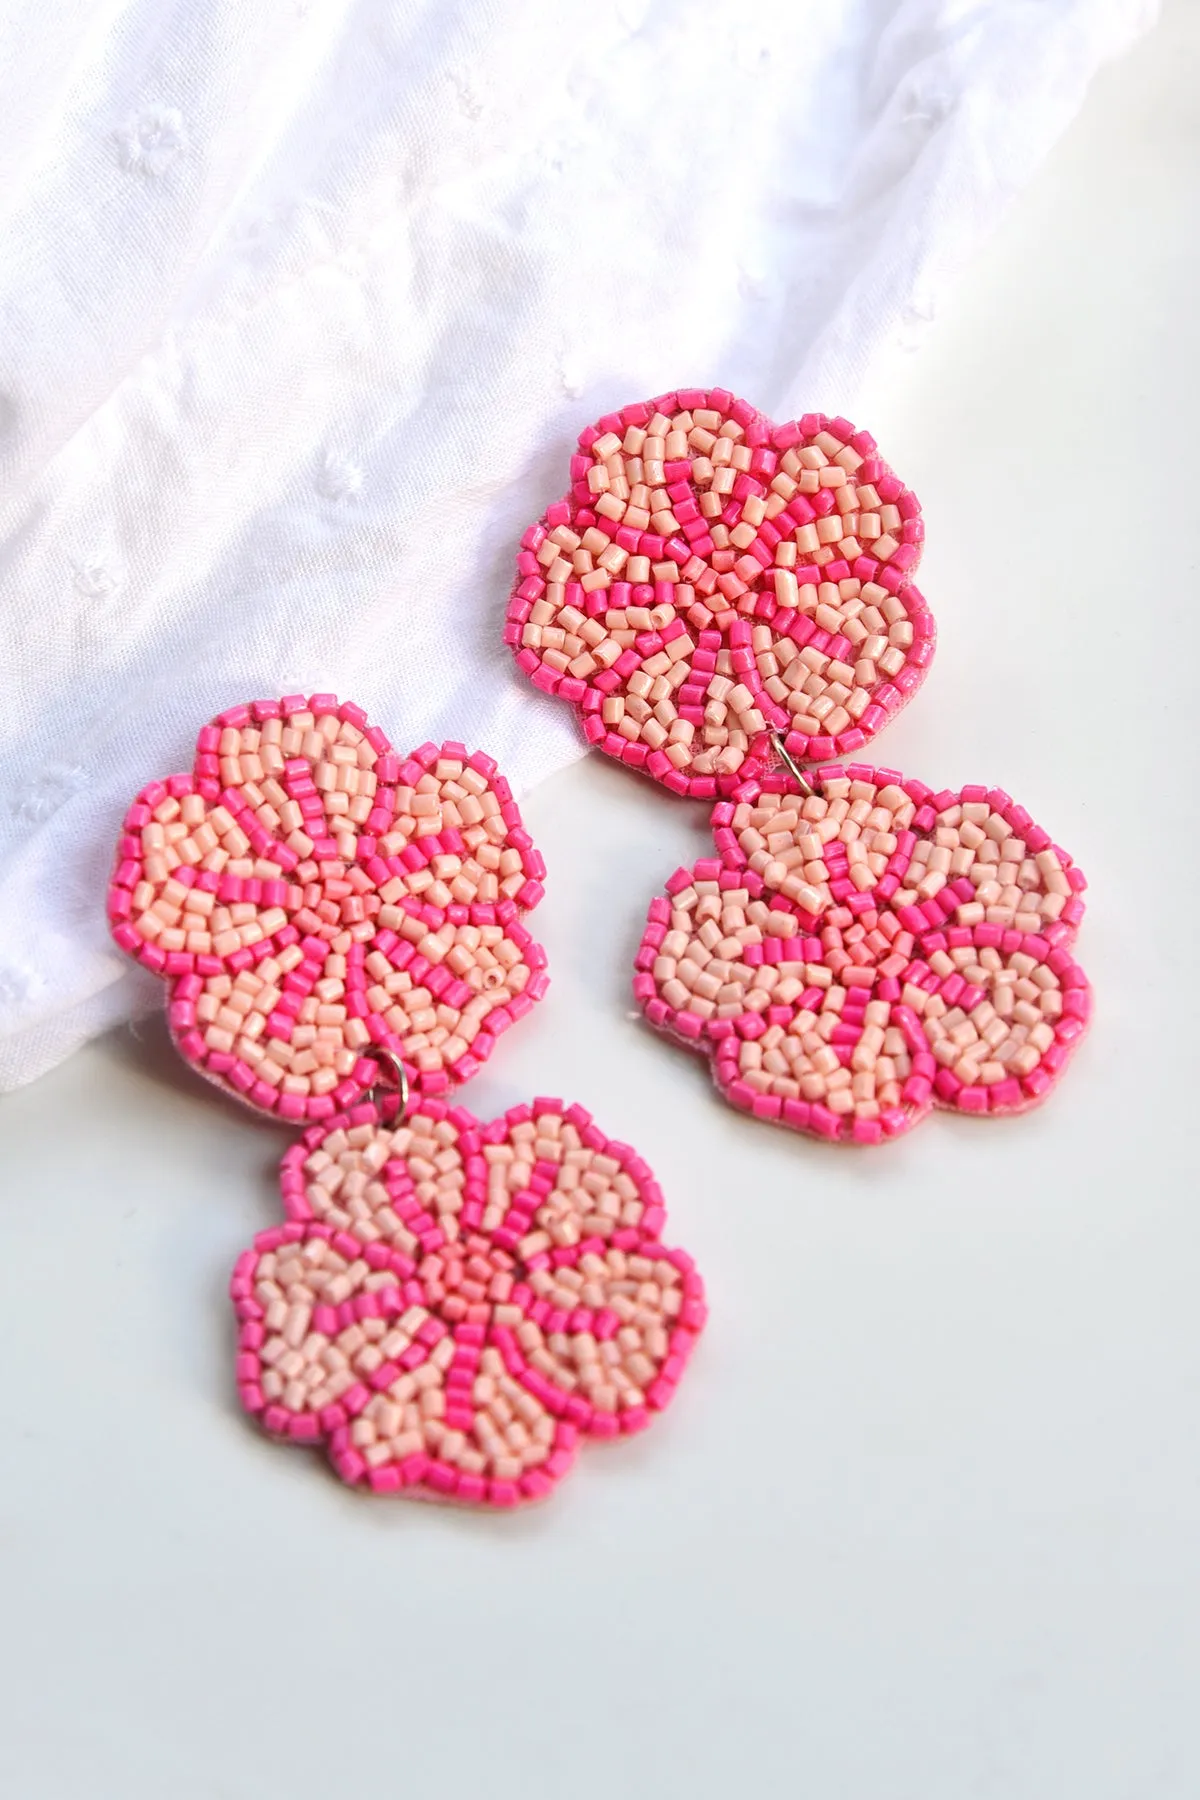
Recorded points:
(385,1057)
(798,776)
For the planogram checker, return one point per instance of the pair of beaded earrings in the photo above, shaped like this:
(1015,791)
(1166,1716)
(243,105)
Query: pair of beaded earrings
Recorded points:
(450,1306)
(724,600)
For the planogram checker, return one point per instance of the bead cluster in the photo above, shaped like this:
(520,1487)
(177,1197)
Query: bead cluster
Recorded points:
(451,1306)
(711,578)
(857,955)
(310,895)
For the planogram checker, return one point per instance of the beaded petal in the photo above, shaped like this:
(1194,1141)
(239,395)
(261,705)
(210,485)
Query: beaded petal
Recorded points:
(711,578)
(453,1305)
(308,894)
(850,959)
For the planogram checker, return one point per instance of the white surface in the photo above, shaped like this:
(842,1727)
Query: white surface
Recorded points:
(303,305)
(921,1524)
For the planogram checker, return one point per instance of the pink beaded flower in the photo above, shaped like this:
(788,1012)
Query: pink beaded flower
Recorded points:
(452,1305)
(712,578)
(851,958)
(309,895)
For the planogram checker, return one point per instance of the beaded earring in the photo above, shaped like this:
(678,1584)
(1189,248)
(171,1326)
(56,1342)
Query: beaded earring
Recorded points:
(724,600)
(712,580)
(862,949)
(450,1305)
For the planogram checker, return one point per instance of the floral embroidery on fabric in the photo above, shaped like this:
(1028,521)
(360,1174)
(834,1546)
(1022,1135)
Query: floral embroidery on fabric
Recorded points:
(150,141)
(309,895)
(97,580)
(452,1306)
(16,985)
(48,790)
(338,478)
(853,957)
(711,578)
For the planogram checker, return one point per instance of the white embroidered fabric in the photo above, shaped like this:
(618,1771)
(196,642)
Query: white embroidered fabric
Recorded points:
(304,302)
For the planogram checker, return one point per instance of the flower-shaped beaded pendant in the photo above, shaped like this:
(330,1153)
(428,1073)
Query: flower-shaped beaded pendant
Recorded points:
(711,578)
(452,1306)
(309,895)
(861,949)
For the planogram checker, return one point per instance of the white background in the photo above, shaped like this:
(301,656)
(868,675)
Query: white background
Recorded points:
(921,1523)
